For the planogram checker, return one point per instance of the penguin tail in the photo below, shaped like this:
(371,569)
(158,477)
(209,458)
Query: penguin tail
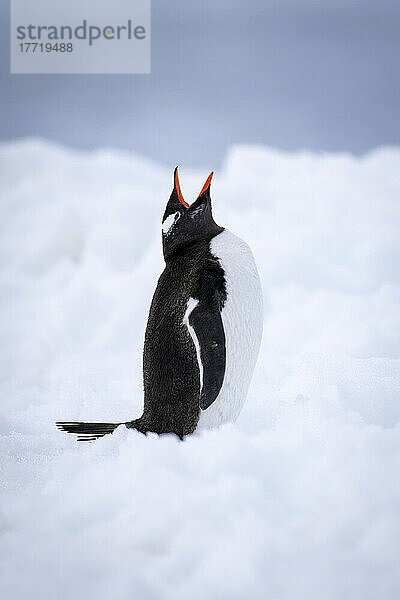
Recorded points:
(87,432)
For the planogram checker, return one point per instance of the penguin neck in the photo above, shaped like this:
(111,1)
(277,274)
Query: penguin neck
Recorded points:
(191,248)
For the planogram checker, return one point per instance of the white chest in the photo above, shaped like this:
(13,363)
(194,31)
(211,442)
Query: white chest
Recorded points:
(242,317)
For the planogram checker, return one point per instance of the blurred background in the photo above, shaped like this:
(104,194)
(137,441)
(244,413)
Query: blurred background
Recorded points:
(291,74)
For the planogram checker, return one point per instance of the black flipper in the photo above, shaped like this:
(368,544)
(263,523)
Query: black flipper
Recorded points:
(87,432)
(206,321)
(211,337)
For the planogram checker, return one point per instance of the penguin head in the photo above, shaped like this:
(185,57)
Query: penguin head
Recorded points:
(184,224)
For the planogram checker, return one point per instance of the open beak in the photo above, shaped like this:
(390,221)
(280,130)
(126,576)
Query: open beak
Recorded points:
(178,187)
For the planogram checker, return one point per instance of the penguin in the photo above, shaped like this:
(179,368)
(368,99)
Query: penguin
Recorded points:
(204,326)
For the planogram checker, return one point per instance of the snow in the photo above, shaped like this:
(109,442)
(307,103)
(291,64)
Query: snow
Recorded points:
(300,498)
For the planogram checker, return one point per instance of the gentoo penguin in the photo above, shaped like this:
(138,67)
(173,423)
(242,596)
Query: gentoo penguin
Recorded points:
(204,326)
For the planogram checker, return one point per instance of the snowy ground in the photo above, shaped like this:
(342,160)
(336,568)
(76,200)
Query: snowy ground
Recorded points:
(301,498)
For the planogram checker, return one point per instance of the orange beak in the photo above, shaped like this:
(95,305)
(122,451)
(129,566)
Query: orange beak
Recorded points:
(207,183)
(178,187)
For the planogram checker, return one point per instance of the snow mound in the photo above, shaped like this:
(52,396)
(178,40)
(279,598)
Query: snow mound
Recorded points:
(300,498)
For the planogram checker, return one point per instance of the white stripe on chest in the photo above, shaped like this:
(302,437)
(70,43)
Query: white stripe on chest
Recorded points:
(242,318)
(191,305)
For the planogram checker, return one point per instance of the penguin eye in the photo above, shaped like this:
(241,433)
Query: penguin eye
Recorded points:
(169,223)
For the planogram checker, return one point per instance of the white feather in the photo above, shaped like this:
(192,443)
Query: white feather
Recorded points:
(242,317)
(170,222)
(191,305)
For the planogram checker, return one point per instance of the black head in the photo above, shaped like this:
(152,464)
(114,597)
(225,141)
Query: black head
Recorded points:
(183,224)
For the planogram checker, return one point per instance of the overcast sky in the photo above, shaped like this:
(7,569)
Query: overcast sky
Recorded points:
(293,74)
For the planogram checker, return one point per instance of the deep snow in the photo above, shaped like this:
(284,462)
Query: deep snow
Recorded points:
(301,498)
